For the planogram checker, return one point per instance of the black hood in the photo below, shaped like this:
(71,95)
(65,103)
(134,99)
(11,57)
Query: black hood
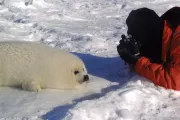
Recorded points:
(147,27)
(173,16)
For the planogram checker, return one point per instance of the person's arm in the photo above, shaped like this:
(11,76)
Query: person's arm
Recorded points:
(166,77)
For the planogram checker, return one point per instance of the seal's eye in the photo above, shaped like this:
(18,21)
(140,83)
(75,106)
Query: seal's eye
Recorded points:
(76,72)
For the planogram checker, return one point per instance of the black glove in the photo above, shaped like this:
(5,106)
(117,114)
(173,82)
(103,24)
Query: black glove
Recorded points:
(125,55)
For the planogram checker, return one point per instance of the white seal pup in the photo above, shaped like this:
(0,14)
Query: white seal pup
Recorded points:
(35,66)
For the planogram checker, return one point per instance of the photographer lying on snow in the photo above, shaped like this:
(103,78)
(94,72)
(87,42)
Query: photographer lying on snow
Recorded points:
(157,39)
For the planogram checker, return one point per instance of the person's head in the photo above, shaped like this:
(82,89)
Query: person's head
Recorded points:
(146,27)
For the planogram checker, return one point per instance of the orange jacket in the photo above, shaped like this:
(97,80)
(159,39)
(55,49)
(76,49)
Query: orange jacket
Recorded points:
(167,75)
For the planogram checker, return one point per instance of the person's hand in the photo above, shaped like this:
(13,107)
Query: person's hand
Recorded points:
(121,49)
(125,55)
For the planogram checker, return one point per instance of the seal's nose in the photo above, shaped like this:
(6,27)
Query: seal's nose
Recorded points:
(86,78)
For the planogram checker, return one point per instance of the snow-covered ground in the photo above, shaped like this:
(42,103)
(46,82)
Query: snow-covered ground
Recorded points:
(91,29)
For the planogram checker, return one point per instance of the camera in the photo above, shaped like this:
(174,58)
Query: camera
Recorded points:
(131,44)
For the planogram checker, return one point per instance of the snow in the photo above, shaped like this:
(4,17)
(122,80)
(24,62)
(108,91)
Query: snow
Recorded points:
(135,101)
(90,29)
